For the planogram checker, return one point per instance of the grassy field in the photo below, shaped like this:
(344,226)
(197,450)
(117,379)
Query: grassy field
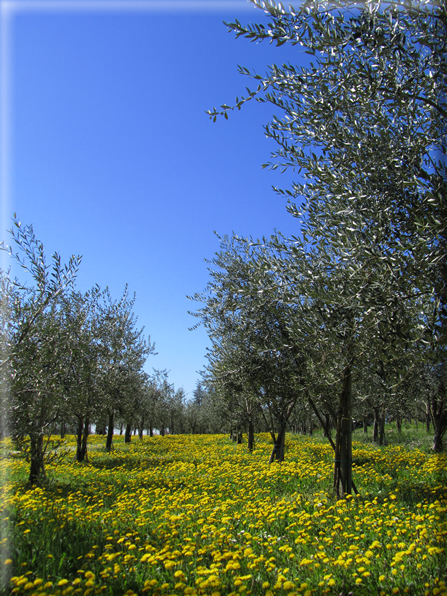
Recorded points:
(200,515)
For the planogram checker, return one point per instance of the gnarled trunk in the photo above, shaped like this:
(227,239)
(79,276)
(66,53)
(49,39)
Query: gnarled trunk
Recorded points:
(251,435)
(343,441)
(440,428)
(128,434)
(37,468)
(379,424)
(327,426)
(278,445)
(82,438)
(382,427)
(427,418)
(439,419)
(141,428)
(109,439)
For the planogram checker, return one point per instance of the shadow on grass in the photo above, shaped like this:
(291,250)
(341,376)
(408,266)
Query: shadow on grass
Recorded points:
(56,551)
(411,494)
(113,463)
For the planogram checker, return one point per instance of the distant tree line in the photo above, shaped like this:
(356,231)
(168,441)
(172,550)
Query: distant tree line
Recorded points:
(71,361)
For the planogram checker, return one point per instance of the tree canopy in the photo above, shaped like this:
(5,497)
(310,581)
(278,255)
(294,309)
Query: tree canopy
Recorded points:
(364,125)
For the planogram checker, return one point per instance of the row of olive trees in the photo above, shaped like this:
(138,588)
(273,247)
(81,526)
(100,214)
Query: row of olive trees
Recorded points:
(271,354)
(68,358)
(348,311)
(170,411)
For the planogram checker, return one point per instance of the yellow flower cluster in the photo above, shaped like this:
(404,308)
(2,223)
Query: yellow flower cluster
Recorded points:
(190,515)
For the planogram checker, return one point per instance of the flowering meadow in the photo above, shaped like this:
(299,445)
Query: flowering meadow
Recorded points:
(198,514)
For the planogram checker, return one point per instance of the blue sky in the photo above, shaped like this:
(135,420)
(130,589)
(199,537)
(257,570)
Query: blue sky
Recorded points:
(112,156)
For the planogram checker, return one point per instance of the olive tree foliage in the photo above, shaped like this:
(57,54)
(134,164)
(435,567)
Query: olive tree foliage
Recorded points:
(159,406)
(374,106)
(196,415)
(227,376)
(68,357)
(82,381)
(35,342)
(365,126)
(152,401)
(124,351)
(204,412)
(167,408)
(166,393)
(106,378)
(278,340)
(231,377)
(254,365)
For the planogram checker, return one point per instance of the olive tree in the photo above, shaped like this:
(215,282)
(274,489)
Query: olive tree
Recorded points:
(124,351)
(365,125)
(35,341)
(253,365)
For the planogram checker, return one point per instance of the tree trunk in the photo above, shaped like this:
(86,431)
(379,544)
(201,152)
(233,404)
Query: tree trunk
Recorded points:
(278,446)
(365,424)
(162,430)
(439,419)
(318,415)
(343,441)
(141,429)
(376,425)
(109,439)
(251,435)
(82,438)
(327,426)
(399,424)
(311,427)
(440,424)
(121,429)
(427,417)
(79,437)
(37,469)
(382,427)
(63,429)
(128,433)
(85,438)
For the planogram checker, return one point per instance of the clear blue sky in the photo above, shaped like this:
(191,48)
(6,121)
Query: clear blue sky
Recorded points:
(113,157)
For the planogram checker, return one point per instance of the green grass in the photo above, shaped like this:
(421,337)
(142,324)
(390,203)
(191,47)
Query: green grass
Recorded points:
(411,436)
(200,515)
